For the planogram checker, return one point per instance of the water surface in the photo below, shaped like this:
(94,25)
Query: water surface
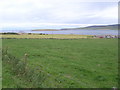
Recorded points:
(79,32)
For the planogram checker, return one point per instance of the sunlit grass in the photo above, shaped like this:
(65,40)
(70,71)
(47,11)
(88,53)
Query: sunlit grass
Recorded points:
(57,36)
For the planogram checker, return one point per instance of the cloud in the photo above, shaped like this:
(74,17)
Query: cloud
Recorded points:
(108,13)
(56,12)
(29,26)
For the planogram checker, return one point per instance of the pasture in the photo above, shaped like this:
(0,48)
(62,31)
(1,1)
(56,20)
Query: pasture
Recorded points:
(80,63)
(49,36)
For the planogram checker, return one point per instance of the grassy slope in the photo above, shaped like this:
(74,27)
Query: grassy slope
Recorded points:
(70,63)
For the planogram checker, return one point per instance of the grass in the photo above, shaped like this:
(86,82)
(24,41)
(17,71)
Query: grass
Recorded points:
(0,64)
(81,63)
(56,36)
(21,70)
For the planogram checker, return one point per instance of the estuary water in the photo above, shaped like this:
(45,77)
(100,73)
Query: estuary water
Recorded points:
(79,32)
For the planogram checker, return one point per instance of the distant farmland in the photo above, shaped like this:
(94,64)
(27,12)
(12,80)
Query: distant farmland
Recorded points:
(46,36)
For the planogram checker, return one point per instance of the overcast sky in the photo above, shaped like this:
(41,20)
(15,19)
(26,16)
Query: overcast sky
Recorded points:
(56,13)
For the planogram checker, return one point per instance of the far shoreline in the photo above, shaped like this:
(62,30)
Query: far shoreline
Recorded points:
(45,30)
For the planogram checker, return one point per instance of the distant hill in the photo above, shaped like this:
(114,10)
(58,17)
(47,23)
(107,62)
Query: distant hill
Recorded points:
(97,27)
(45,30)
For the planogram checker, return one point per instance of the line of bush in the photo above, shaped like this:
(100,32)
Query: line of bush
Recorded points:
(9,33)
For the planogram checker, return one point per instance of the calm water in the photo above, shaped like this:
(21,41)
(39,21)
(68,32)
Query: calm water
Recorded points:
(81,32)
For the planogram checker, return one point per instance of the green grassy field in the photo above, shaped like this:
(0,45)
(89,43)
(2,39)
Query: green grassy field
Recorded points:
(81,63)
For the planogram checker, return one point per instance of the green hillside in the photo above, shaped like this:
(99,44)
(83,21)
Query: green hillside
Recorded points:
(99,27)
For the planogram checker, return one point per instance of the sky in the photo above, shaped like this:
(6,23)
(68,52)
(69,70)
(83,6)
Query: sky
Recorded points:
(27,14)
